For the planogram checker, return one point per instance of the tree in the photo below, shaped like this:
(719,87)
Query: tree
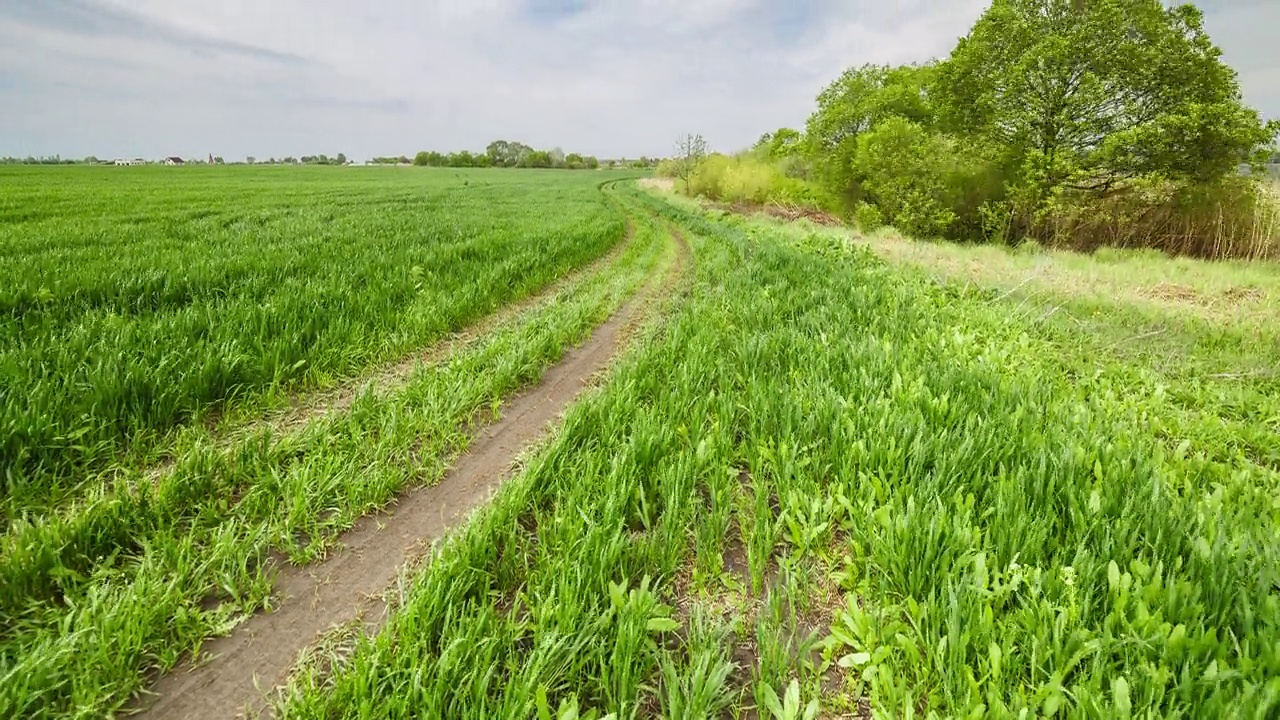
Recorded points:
(1085,95)
(250,160)
(341,159)
(852,105)
(783,143)
(429,158)
(906,171)
(538,159)
(690,150)
(508,154)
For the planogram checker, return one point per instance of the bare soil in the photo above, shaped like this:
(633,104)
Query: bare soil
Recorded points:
(244,668)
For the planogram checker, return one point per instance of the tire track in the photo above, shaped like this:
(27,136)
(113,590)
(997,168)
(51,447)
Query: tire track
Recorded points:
(350,586)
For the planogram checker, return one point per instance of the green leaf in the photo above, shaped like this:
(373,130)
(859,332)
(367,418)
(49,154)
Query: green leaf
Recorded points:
(771,702)
(792,702)
(1120,691)
(1053,703)
(661,625)
(540,701)
(854,660)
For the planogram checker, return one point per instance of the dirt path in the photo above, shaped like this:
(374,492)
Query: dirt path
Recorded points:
(315,405)
(349,586)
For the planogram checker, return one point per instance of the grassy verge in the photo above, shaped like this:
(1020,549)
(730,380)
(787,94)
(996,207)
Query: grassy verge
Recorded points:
(830,482)
(1201,335)
(128,582)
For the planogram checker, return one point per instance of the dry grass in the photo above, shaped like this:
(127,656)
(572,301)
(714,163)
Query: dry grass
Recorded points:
(1238,218)
(1236,292)
(660,184)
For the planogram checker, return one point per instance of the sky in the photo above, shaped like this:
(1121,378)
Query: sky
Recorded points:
(611,78)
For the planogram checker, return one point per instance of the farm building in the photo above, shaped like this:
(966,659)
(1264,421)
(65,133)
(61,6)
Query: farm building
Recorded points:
(175,160)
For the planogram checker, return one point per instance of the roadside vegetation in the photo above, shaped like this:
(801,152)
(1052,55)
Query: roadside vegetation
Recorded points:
(1075,125)
(832,486)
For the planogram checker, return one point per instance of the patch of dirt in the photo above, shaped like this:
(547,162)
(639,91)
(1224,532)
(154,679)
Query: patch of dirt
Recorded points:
(350,585)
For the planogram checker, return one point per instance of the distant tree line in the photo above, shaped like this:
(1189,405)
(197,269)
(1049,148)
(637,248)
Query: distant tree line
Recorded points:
(322,159)
(504,153)
(50,160)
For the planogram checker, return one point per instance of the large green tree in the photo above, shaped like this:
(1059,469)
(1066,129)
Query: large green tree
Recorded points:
(1086,94)
(855,103)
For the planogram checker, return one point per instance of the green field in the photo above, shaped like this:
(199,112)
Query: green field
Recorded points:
(829,475)
(135,302)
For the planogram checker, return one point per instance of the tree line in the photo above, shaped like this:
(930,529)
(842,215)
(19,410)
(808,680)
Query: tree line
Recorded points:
(1067,122)
(504,153)
(48,160)
(509,154)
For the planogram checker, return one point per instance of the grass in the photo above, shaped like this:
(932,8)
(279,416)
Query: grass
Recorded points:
(158,568)
(137,301)
(957,483)
(937,516)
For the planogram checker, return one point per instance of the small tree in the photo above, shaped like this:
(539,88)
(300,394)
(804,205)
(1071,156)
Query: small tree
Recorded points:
(690,150)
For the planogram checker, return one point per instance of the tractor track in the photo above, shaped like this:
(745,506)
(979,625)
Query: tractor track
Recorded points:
(350,588)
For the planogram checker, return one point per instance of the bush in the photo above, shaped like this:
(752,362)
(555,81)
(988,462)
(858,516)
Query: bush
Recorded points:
(747,181)
(667,168)
(708,178)
(868,217)
(905,170)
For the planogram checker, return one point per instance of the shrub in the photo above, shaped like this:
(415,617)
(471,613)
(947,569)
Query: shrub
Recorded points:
(905,170)
(868,217)
(747,181)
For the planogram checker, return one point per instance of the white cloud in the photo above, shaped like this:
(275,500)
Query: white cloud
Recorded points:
(245,77)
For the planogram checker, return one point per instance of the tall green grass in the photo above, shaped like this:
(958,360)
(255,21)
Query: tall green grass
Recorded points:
(1002,538)
(135,300)
(128,581)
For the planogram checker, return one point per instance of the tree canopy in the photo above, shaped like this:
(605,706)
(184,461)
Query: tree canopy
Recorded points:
(1089,93)
(1044,104)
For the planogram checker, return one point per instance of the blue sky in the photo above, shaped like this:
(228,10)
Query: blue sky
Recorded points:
(606,77)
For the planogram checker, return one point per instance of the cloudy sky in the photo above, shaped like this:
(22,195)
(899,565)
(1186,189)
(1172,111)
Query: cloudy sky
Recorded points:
(372,77)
